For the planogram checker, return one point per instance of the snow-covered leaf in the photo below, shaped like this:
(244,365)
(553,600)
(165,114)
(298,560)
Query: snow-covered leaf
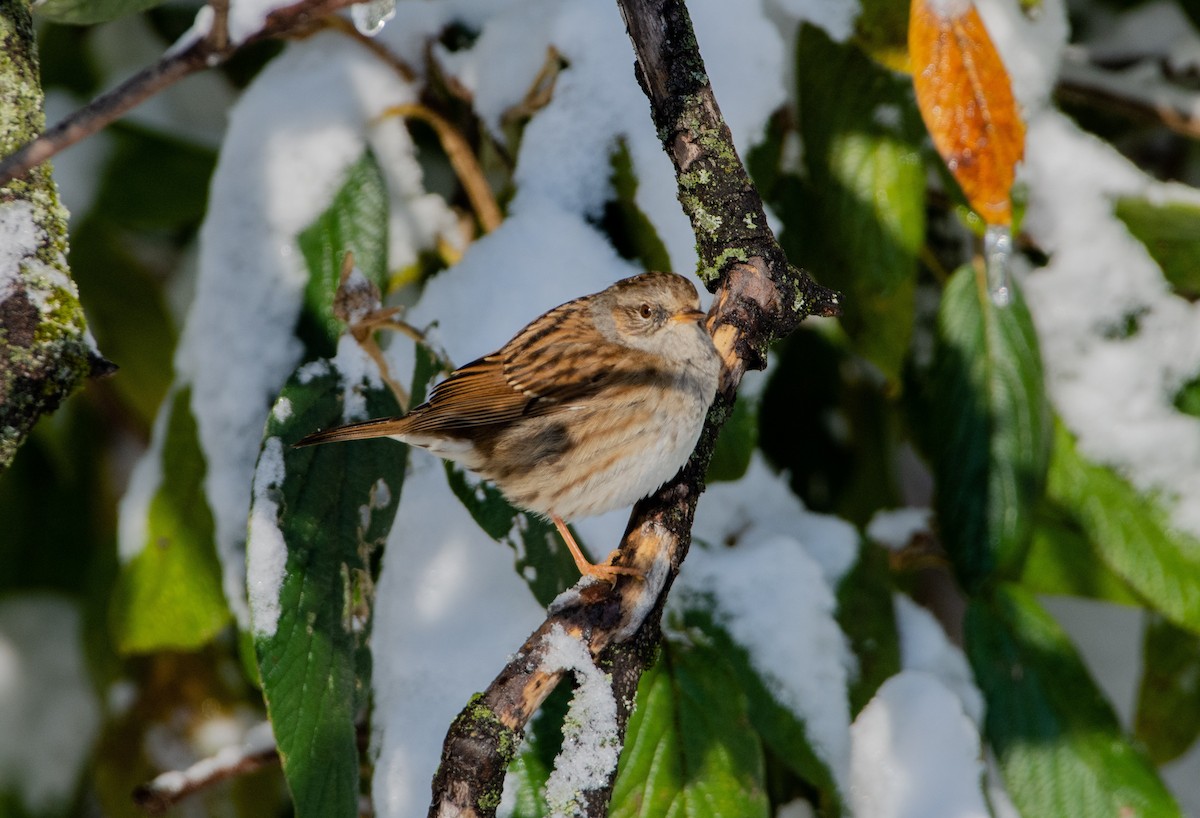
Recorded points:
(690,749)
(1129,531)
(916,753)
(318,521)
(169,596)
(782,730)
(988,428)
(864,220)
(319,517)
(1061,750)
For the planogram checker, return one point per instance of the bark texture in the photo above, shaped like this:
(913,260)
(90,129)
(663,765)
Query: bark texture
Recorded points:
(45,351)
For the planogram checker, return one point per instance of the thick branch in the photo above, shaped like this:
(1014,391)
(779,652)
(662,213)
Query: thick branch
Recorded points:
(759,297)
(44,348)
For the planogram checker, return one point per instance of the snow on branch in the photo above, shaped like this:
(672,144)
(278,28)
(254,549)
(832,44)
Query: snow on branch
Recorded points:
(256,751)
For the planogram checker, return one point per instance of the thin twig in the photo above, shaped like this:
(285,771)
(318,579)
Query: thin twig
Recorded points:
(218,32)
(165,791)
(103,110)
(372,44)
(462,159)
(205,52)
(1138,91)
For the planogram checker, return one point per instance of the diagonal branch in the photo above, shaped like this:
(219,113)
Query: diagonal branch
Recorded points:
(759,298)
(205,52)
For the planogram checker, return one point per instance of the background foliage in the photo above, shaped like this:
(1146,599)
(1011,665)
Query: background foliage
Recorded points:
(1059,555)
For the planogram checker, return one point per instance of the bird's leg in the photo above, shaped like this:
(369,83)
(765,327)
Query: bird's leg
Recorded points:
(608,573)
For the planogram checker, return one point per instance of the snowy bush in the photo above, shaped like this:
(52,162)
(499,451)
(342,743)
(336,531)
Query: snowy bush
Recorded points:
(948,558)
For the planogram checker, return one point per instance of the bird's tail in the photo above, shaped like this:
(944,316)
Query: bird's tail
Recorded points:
(381,427)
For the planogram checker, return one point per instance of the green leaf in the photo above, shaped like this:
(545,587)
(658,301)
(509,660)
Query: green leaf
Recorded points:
(325,512)
(542,558)
(1130,533)
(132,192)
(862,221)
(61,467)
(357,220)
(689,748)
(867,616)
(169,596)
(988,433)
(1061,560)
(126,313)
(329,508)
(1168,707)
(778,726)
(882,30)
(1187,399)
(1060,747)
(1169,232)
(735,443)
(632,234)
(90,12)
(766,157)
(842,462)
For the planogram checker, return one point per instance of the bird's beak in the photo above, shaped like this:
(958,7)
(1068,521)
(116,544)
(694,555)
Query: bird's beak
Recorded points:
(691,315)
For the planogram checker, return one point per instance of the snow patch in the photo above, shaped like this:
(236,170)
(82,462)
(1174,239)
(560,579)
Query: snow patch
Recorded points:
(915,754)
(266,549)
(591,743)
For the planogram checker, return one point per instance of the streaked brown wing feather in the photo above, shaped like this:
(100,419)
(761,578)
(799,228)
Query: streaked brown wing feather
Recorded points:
(557,359)
(476,394)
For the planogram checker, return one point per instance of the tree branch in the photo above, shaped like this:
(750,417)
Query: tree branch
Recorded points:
(208,51)
(1140,91)
(45,351)
(256,751)
(759,297)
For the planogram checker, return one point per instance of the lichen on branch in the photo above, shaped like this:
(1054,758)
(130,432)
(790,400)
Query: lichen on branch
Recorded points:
(45,350)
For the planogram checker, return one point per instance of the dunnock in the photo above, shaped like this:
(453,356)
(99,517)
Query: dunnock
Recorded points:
(591,407)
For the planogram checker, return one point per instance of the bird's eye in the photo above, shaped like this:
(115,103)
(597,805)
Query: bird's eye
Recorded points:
(645,311)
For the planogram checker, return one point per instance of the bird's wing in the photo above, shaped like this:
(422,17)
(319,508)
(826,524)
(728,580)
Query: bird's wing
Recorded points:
(529,379)
(477,394)
(557,360)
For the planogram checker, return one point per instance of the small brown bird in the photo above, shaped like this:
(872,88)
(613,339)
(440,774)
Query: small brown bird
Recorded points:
(591,407)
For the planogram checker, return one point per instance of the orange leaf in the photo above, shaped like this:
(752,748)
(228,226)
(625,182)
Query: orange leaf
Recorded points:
(965,98)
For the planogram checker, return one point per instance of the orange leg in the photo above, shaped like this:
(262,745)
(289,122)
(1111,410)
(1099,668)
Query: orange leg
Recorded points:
(608,573)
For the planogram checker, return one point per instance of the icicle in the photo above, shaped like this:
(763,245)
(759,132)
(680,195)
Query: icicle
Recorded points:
(370,16)
(997,254)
